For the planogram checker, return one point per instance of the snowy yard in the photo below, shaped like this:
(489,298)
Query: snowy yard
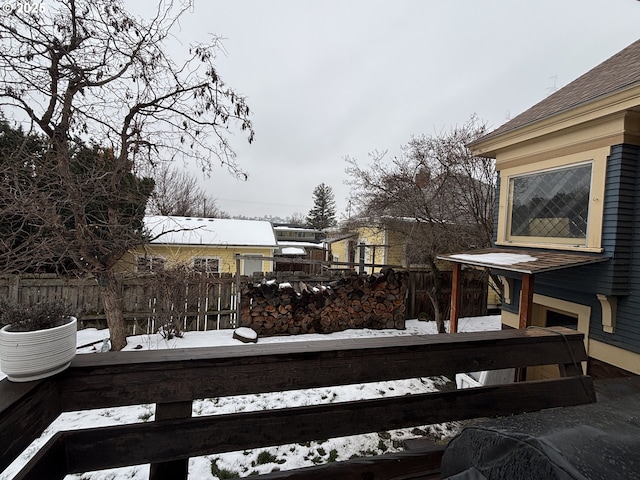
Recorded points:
(264,460)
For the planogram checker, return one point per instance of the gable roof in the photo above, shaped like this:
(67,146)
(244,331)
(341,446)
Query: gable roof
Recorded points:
(210,231)
(615,74)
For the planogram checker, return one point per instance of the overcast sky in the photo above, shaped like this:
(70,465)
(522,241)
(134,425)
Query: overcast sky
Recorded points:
(331,78)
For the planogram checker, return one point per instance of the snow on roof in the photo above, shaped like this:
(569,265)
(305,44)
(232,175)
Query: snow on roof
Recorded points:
(301,244)
(496,258)
(296,229)
(292,251)
(210,231)
(529,261)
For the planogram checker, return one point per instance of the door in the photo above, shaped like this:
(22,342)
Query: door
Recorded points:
(252,265)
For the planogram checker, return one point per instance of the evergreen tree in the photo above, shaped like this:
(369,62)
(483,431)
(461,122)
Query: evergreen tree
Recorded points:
(323,213)
(36,215)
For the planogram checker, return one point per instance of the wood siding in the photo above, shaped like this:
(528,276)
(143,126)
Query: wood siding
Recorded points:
(184,255)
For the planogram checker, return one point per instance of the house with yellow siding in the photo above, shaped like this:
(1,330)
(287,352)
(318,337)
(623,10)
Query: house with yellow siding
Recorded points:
(378,245)
(207,244)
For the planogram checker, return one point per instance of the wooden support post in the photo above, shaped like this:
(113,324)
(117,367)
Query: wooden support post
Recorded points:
(526,300)
(456,297)
(238,307)
(174,469)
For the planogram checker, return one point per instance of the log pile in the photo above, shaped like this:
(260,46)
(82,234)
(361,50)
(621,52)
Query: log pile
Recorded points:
(366,301)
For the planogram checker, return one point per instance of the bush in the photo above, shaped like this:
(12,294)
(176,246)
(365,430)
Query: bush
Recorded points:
(39,316)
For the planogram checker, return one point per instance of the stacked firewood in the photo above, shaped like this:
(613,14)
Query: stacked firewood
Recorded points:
(366,301)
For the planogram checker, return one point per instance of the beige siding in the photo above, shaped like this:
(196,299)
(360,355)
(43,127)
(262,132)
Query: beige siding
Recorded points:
(339,250)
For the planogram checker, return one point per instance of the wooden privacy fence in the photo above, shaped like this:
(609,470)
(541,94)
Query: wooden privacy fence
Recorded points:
(197,301)
(474,293)
(192,300)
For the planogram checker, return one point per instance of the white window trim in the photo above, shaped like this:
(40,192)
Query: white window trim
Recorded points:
(151,259)
(598,159)
(573,242)
(207,258)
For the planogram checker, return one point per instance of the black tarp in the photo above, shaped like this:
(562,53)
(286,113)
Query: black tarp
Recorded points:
(596,441)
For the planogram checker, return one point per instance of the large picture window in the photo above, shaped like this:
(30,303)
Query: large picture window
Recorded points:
(552,206)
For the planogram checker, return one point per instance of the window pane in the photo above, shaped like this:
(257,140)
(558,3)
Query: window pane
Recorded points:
(551,204)
(208,265)
(150,264)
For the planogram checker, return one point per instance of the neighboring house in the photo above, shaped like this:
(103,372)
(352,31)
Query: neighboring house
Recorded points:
(567,236)
(296,242)
(341,247)
(209,244)
(370,245)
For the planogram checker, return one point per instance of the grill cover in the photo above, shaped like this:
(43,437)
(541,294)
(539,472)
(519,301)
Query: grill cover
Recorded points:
(596,441)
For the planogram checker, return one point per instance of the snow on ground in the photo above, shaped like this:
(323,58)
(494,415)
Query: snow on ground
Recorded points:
(263,460)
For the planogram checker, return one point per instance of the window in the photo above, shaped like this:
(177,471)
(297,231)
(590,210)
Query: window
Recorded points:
(206,264)
(551,206)
(150,264)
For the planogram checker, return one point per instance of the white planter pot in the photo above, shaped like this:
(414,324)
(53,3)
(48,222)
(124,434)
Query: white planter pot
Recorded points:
(27,356)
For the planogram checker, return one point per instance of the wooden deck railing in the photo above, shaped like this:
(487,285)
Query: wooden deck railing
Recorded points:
(172,379)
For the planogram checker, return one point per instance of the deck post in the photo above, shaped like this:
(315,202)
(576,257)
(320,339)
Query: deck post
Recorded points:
(238,302)
(456,297)
(526,300)
(174,469)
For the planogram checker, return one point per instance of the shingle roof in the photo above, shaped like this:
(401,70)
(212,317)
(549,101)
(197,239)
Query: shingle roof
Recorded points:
(614,74)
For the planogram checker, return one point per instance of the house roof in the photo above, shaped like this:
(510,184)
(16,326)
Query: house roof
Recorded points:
(615,74)
(295,229)
(210,231)
(294,244)
(341,236)
(292,251)
(522,260)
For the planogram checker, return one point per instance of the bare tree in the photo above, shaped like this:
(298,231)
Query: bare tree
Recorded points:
(89,73)
(297,218)
(177,192)
(436,193)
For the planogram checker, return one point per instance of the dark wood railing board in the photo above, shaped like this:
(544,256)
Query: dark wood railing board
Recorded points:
(228,371)
(469,340)
(23,417)
(412,465)
(14,391)
(115,446)
(49,462)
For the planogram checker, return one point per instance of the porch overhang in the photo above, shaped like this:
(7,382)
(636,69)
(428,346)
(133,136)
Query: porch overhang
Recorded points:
(526,262)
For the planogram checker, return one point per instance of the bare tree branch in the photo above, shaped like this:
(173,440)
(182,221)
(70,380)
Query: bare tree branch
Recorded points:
(108,102)
(437,194)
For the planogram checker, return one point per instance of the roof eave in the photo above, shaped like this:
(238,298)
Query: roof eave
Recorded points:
(619,101)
